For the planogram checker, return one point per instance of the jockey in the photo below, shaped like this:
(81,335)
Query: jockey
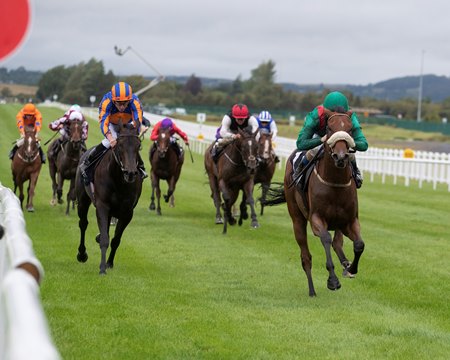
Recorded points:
(119,104)
(267,124)
(167,123)
(28,116)
(313,133)
(238,118)
(63,125)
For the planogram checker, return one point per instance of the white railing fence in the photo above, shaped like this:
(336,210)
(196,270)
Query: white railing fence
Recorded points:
(24,332)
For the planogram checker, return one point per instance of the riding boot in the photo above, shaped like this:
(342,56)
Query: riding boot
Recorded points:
(84,166)
(41,153)
(13,152)
(141,167)
(299,168)
(53,151)
(215,152)
(356,174)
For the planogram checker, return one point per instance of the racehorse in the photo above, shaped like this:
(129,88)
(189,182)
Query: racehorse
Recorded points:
(234,171)
(165,165)
(266,167)
(330,202)
(64,166)
(26,165)
(115,192)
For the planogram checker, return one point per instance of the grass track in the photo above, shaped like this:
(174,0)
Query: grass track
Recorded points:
(182,290)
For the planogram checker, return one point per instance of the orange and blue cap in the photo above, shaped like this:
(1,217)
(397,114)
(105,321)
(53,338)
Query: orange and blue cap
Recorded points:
(121,92)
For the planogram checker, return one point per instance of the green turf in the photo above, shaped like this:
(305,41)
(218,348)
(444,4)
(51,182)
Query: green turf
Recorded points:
(182,290)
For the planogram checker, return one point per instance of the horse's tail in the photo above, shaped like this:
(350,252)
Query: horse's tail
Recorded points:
(275,195)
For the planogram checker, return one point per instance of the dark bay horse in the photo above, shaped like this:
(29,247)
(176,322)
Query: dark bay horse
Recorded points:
(266,167)
(115,193)
(26,166)
(329,203)
(165,165)
(64,166)
(234,171)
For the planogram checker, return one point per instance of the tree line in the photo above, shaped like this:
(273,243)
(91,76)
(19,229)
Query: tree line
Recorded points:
(78,83)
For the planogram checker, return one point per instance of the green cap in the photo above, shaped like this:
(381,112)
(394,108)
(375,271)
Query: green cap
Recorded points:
(336,101)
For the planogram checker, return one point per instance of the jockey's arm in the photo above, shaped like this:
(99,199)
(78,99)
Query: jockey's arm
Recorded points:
(225,131)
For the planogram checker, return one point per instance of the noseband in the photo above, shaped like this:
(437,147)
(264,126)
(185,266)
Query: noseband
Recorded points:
(116,151)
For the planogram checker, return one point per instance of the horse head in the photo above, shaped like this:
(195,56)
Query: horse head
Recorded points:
(265,145)
(163,142)
(126,151)
(30,147)
(248,148)
(339,140)
(75,132)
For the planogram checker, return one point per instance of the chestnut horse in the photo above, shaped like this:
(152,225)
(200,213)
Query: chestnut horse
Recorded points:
(64,166)
(115,192)
(234,171)
(165,165)
(26,165)
(329,203)
(266,167)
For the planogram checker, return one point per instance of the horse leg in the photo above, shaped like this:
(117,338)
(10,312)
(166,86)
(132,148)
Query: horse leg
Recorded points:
(122,223)
(338,246)
(31,187)
(103,221)
(170,189)
(52,170)
(248,189)
(229,198)
(70,195)
(243,213)
(158,197)
(354,234)
(60,188)
(319,228)
(152,199)
(264,189)
(299,226)
(83,207)
(21,195)
(215,195)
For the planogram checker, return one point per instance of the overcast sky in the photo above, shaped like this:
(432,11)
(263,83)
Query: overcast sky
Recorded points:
(311,42)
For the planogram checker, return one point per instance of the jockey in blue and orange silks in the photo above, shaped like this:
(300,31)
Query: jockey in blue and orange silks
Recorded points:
(118,105)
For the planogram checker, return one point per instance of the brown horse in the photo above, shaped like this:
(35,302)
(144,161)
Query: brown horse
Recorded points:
(116,191)
(235,170)
(166,165)
(64,166)
(329,203)
(26,165)
(266,167)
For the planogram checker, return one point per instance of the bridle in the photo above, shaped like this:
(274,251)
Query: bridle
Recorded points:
(116,150)
(29,156)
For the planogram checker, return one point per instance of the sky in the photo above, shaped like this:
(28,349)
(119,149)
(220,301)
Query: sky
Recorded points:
(357,42)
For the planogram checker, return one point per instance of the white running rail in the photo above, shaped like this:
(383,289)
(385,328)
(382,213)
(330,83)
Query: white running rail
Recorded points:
(24,332)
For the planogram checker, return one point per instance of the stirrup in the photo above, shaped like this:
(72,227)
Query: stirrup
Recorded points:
(143,173)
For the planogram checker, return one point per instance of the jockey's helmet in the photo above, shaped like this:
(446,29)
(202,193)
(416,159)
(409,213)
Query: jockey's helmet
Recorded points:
(239,111)
(265,116)
(75,115)
(336,101)
(29,109)
(166,123)
(121,92)
(75,107)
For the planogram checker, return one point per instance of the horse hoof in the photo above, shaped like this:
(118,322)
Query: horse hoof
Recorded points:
(334,284)
(219,220)
(109,265)
(232,221)
(166,198)
(255,224)
(82,257)
(30,209)
(240,222)
(158,212)
(60,201)
(97,238)
(348,274)
(102,272)
(152,207)
(52,202)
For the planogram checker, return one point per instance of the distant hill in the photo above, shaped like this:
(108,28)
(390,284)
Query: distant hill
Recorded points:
(435,88)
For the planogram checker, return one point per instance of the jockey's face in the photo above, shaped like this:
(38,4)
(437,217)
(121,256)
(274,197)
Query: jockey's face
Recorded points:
(240,121)
(28,116)
(121,105)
